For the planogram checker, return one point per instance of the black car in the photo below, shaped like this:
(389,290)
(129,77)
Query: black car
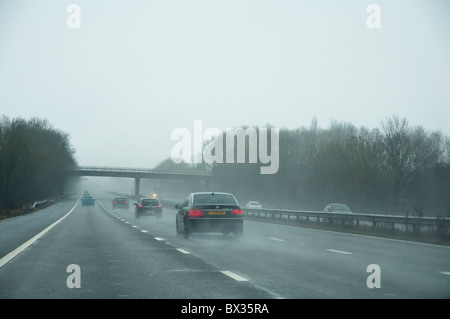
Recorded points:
(120,203)
(148,207)
(205,212)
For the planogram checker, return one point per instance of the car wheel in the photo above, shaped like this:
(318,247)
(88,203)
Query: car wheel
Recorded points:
(177,227)
(186,231)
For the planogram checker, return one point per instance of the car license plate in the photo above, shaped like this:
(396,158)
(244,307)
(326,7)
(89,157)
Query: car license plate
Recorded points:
(149,212)
(217,212)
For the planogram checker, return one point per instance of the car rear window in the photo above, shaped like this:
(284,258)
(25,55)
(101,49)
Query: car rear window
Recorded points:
(214,199)
(150,202)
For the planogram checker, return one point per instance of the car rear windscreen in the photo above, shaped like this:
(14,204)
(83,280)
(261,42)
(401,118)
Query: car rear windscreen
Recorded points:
(214,199)
(150,202)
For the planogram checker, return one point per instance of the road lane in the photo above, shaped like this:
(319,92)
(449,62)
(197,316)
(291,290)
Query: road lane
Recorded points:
(303,263)
(115,261)
(17,230)
(121,257)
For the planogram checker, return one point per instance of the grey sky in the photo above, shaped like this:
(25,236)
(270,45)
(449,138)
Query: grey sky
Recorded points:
(137,70)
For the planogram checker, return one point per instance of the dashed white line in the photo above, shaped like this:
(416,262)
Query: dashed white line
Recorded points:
(144,231)
(339,251)
(181,250)
(233,275)
(159,238)
(445,273)
(276,239)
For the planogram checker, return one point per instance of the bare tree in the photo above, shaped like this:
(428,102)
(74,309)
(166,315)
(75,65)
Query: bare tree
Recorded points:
(407,152)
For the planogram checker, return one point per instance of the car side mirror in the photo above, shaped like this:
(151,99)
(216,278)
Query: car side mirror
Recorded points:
(178,206)
(135,204)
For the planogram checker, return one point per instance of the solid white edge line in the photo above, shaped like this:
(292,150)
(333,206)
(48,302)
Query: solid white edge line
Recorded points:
(233,275)
(7,258)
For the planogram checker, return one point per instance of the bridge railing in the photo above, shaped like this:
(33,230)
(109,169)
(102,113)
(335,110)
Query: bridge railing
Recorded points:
(132,170)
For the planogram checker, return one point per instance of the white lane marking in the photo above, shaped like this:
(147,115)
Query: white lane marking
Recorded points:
(445,273)
(159,238)
(181,250)
(276,239)
(233,275)
(18,250)
(144,231)
(339,251)
(134,226)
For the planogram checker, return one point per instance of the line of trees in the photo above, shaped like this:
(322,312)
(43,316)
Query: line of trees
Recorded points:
(394,169)
(33,159)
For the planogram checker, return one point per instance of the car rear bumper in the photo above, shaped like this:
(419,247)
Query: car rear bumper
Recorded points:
(214,224)
(150,212)
(121,206)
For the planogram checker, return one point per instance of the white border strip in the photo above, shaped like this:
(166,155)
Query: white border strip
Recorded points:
(339,251)
(233,275)
(29,242)
(184,251)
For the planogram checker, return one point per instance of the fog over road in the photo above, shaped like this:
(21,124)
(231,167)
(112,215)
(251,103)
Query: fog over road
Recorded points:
(121,257)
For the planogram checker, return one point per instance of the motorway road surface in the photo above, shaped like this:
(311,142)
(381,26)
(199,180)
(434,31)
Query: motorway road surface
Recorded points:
(121,257)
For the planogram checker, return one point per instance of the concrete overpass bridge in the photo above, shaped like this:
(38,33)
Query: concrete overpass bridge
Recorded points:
(136,173)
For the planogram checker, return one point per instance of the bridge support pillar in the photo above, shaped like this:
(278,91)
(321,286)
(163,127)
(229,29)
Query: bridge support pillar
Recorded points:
(137,184)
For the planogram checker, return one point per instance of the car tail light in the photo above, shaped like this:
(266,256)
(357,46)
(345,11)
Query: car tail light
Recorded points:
(237,212)
(126,202)
(140,205)
(195,213)
(116,202)
(159,205)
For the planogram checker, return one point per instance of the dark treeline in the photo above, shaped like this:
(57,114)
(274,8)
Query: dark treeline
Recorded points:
(33,157)
(394,169)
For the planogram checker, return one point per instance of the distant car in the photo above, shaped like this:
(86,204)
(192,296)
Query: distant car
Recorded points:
(120,203)
(204,212)
(253,204)
(340,209)
(148,207)
(337,208)
(87,200)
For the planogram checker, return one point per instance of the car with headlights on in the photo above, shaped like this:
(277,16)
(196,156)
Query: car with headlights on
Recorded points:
(148,207)
(205,212)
